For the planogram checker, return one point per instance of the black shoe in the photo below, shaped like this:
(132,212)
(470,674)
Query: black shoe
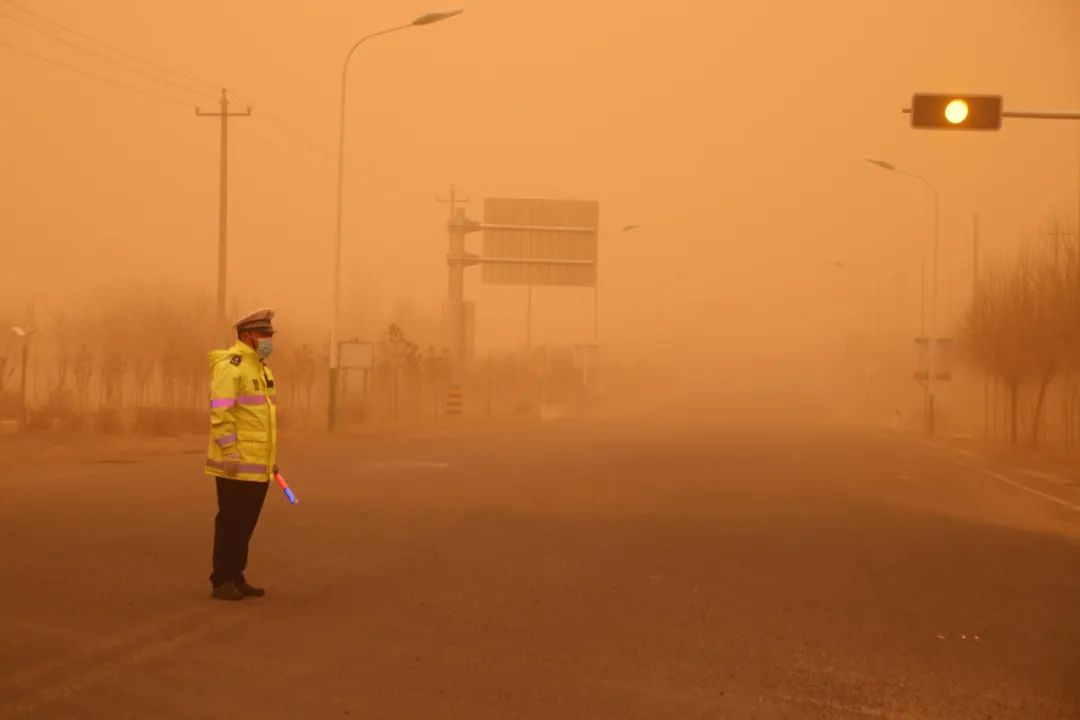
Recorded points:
(228,591)
(251,590)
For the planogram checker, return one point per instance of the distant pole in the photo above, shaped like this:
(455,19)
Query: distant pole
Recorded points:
(934,305)
(489,382)
(1057,244)
(931,341)
(929,348)
(23,394)
(223,202)
(976,301)
(453,201)
(1076,260)
(529,301)
(596,298)
(529,314)
(975,259)
(456,280)
(922,306)
(456,291)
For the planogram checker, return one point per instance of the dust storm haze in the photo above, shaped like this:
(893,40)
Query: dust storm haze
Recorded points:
(731,133)
(783,460)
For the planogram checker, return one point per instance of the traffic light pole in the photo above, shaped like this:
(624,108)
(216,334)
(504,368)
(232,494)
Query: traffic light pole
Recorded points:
(1030,114)
(1042,114)
(963,112)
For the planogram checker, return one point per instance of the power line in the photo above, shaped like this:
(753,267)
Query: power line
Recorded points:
(301,148)
(314,147)
(93,76)
(282,125)
(115,49)
(295,156)
(318,156)
(102,56)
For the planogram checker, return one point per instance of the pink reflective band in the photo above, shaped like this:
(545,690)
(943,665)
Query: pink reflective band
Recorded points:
(222,403)
(242,467)
(226,440)
(251,400)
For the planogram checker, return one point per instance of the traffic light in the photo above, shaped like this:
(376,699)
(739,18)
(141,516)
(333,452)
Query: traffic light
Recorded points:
(956,112)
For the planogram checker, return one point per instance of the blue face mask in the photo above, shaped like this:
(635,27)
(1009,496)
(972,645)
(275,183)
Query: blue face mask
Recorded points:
(265,347)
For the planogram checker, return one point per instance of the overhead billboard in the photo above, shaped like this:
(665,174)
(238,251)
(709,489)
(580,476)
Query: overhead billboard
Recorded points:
(540,242)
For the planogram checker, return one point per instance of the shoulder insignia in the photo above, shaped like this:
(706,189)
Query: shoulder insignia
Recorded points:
(236,360)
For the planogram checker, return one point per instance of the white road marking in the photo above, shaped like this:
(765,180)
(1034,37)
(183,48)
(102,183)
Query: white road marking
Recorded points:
(1018,485)
(949,454)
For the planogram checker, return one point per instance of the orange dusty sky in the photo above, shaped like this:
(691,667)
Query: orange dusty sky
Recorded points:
(731,132)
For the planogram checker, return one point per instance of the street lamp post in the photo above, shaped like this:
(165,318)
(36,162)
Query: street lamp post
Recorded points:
(427,19)
(24,406)
(933,288)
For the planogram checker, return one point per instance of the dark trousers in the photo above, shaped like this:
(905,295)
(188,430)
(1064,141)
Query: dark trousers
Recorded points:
(239,505)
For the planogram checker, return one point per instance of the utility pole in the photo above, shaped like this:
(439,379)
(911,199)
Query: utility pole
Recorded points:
(529,303)
(596,295)
(929,350)
(223,206)
(452,201)
(1071,393)
(457,261)
(456,288)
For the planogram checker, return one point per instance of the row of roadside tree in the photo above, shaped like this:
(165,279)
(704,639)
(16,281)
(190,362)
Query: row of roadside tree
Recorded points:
(1022,330)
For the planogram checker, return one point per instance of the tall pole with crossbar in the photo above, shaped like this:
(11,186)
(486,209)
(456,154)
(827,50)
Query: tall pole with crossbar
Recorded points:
(223,201)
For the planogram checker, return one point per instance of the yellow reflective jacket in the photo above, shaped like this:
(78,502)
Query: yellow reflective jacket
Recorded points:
(243,414)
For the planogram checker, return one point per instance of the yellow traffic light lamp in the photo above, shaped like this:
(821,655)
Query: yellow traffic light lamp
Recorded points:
(971,112)
(956,112)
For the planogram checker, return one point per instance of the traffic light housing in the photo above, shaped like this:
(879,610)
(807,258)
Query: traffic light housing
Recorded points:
(956,112)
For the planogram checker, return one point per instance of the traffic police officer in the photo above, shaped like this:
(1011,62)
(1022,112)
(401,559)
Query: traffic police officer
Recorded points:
(243,448)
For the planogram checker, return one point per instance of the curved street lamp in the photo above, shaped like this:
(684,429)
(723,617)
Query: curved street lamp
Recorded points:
(426,19)
(884,165)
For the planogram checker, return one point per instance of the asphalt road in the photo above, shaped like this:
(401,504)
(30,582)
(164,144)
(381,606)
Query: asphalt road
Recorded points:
(566,570)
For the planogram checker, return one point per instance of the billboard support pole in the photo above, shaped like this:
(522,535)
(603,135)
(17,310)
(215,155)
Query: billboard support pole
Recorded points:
(596,298)
(455,261)
(529,303)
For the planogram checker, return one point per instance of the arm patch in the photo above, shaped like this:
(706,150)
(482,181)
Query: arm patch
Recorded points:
(236,360)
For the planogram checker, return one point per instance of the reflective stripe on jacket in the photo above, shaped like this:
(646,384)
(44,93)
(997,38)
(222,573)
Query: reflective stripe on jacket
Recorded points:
(243,415)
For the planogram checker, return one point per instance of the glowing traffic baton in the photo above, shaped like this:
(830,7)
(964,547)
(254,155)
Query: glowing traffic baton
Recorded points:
(285,487)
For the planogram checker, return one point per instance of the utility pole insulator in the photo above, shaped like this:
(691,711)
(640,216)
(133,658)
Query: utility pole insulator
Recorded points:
(452,201)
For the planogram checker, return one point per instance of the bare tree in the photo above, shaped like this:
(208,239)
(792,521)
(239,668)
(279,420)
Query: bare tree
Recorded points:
(1019,328)
(398,358)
